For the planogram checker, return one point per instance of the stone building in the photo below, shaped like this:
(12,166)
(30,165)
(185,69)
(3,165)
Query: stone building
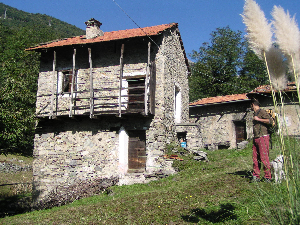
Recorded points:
(226,121)
(108,103)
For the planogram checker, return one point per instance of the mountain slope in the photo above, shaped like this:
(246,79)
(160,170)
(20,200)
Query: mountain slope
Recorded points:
(19,72)
(17,19)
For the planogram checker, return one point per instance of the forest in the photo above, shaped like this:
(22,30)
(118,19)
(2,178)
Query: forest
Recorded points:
(19,72)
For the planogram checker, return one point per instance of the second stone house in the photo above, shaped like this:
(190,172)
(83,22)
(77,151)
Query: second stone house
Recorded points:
(108,103)
(227,121)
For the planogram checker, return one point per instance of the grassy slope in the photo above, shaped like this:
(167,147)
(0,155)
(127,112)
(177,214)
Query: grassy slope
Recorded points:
(217,191)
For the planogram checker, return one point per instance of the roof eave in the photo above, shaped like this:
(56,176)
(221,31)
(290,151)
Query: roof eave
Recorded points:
(158,32)
(219,103)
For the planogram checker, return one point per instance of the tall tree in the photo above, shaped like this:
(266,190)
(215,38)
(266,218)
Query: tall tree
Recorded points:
(18,83)
(225,66)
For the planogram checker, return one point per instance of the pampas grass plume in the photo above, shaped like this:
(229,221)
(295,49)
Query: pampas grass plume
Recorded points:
(258,29)
(286,31)
(277,68)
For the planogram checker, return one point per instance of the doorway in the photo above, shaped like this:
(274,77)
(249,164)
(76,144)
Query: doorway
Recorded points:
(240,131)
(137,151)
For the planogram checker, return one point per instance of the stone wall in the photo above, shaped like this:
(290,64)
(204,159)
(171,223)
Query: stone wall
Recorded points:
(194,139)
(217,123)
(68,151)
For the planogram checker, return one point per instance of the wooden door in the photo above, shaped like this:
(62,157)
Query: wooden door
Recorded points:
(137,151)
(240,130)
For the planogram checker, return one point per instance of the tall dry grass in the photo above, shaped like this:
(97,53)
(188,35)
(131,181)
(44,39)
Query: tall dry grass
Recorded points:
(278,42)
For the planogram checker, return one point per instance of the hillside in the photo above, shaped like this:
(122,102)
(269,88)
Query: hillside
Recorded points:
(213,192)
(19,72)
(16,19)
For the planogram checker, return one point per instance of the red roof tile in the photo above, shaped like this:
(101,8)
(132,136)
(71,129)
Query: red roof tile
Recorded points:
(108,36)
(267,88)
(220,99)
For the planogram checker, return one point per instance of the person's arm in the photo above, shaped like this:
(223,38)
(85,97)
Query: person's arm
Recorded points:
(264,117)
(267,121)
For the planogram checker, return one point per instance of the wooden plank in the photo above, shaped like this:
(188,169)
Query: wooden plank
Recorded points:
(146,80)
(91,84)
(134,77)
(53,86)
(72,84)
(152,87)
(121,77)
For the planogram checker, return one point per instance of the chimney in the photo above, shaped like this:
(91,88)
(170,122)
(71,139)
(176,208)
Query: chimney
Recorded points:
(93,29)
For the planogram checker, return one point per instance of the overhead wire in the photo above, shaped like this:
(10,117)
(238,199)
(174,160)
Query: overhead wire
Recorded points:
(168,68)
(135,23)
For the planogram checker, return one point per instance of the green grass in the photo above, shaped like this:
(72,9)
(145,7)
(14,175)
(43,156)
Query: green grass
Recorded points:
(214,192)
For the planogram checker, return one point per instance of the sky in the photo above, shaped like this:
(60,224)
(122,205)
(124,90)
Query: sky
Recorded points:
(196,18)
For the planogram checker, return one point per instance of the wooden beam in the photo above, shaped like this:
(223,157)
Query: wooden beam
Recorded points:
(72,84)
(152,87)
(147,79)
(121,78)
(91,84)
(53,91)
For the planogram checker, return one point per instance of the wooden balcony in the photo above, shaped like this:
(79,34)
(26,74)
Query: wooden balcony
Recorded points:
(135,98)
(70,93)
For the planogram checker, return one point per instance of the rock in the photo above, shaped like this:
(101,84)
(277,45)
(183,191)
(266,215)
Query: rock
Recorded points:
(200,155)
(242,145)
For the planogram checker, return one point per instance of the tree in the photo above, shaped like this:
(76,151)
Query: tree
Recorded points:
(17,93)
(225,66)
(19,72)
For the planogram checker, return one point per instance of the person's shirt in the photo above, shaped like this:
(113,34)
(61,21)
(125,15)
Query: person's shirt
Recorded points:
(259,128)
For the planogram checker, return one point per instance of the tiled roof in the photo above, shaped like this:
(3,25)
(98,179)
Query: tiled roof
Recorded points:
(108,36)
(220,99)
(267,88)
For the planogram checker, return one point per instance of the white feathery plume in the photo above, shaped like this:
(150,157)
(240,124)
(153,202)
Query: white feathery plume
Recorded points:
(294,64)
(288,38)
(258,29)
(286,31)
(277,68)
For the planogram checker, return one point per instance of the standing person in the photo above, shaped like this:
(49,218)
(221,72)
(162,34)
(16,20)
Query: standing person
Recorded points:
(261,141)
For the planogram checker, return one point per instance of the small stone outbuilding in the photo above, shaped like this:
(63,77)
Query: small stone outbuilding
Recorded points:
(227,121)
(108,103)
(223,121)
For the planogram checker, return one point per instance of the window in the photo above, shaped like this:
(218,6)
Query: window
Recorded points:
(133,92)
(65,81)
(177,105)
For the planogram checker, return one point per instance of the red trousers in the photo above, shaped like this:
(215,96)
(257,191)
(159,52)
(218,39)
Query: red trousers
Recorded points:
(261,155)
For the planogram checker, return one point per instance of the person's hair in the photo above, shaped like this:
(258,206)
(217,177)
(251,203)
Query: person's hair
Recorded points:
(255,102)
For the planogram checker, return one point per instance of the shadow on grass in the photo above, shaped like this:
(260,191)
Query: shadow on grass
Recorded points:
(244,174)
(14,204)
(223,214)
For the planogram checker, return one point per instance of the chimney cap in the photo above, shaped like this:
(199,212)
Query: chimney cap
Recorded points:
(92,22)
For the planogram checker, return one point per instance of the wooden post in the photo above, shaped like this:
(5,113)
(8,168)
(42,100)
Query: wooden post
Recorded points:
(72,84)
(53,92)
(147,78)
(121,78)
(91,85)
(152,87)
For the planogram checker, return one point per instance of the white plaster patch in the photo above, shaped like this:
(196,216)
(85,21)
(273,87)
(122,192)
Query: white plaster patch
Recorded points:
(85,153)
(123,151)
